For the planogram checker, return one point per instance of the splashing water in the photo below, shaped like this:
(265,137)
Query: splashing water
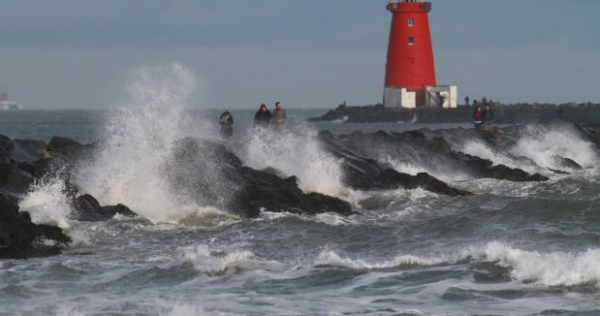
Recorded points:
(47,204)
(138,141)
(296,153)
(542,144)
(482,150)
(552,269)
(443,173)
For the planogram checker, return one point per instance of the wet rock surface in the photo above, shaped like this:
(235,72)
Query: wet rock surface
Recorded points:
(21,162)
(369,174)
(20,238)
(87,208)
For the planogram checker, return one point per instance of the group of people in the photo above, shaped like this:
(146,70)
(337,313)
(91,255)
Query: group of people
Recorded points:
(263,118)
(482,119)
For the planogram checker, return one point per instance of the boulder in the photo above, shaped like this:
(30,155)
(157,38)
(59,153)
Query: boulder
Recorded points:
(566,163)
(30,150)
(20,238)
(211,174)
(64,146)
(6,148)
(87,208)
(13,179)
(261,190)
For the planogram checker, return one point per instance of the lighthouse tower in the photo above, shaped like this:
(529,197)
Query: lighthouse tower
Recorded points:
(410,70)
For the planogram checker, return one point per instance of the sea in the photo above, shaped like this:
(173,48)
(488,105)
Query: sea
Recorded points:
(513,248)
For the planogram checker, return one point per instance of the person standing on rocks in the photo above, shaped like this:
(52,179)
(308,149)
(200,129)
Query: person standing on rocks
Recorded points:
(226,122)
(279,116)
(262,118)
(487,116)
(477,117)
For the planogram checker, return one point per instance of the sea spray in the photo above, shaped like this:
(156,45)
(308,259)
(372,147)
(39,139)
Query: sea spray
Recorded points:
(128,167)
(542,144)
(442,172)
(47,202)
(480,149)
(296,152)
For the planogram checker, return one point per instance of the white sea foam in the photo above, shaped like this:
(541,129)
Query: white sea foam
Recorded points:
(334,219)
(128,168)
(331,258)
(175,308)
(413,168)
(217,263)
(68,310)
(296,153)
(47,203)
(205,216)
(550,269)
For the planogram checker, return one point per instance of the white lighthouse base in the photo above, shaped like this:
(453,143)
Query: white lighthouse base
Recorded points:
(435,96)
(399,98)
(441,96)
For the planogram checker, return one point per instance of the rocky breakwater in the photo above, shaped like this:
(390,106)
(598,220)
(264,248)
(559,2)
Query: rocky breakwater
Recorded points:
(369,158)
(210,173)
(521,113)
(204,171)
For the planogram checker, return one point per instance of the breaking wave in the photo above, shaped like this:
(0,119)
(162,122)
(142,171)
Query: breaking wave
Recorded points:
(549,269)
(47,203)
(217,263)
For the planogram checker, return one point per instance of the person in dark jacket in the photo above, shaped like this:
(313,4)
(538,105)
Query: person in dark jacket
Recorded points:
(487,115)
(226,122)
(262,117)
(477,117)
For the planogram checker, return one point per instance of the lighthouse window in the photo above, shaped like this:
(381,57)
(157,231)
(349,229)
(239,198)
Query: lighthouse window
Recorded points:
(411,21)
(411,40)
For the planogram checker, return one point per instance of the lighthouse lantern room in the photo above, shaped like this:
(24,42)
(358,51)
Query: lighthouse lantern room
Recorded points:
(410,71)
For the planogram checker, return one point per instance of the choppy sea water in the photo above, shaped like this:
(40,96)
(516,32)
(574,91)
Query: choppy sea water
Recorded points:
(510,249)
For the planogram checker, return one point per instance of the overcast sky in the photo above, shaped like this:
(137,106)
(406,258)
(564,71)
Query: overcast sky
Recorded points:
(309,53)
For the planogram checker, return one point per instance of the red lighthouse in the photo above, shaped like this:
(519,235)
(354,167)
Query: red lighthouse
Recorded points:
(410,67)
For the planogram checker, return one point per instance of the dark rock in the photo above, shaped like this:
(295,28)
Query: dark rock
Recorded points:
(262,190)
(438,144)
(120,209)
(484,168)
(211,174)
(37,168)
(87,208)
(6,148)
(566,163)
(30,150)
(64,146)
(368,174)
(13,179)
(8,206)
(19,236)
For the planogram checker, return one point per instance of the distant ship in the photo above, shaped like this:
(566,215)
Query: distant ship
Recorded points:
(7,103)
